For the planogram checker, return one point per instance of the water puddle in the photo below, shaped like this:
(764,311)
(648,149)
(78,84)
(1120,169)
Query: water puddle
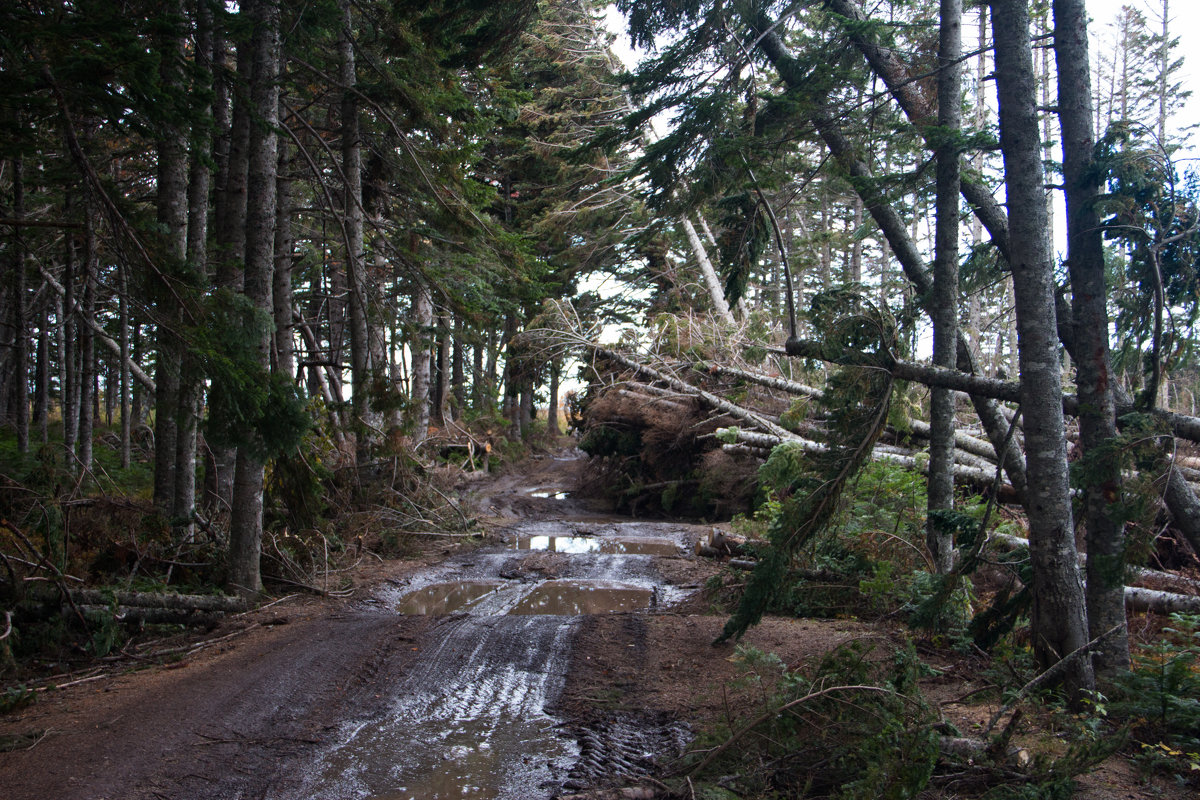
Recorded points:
(549,494)
(629,546)
(568,598)
(468,722)
(446,598)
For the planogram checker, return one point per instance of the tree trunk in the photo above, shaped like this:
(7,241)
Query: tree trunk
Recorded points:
(365,424)
(283,355)
(172,209)
(87,340)
(457,376)
(552,412)
(245,527)
(715,292)
(126,382)
(1058,617)
(18,390)
(1089,311)
(422,351)
(944,305)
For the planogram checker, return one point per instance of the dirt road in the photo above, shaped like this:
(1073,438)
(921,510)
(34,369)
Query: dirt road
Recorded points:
(434,682)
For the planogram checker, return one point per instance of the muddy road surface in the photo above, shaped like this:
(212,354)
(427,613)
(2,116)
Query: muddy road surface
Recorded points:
(443,680)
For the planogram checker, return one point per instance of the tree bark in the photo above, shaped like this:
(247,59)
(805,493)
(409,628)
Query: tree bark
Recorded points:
(245,527)
(365,424)
(944,306)
(172,210)
(1058,617)
(87,340)
(1089,311)
(18,374)
(422,351)
(711,281)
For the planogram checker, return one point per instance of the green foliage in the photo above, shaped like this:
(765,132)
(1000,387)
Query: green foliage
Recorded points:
(810,486)
(853,725)
(1155,215)
(249,406)
(1160,698)
(16,697)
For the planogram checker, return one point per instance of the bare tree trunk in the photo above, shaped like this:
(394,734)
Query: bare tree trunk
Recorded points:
(441,403)
(552,413)
(245,527)
(87,340)
(1089,307)
(18,390)
(944,307)
(68,374)
(172,209)
(126,382)
(232,148)
(283,351)
(41,402)
(707,272)
(422,352)
(1058,618)
(457,376)
(191,389)
(365,423)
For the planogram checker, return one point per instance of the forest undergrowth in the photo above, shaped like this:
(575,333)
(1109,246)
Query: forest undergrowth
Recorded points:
(90,566)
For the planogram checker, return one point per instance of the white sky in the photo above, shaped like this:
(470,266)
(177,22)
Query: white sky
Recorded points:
(1185,24)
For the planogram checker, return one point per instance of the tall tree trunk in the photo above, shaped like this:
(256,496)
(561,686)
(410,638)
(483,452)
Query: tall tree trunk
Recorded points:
(944,307)
(172,209)
(477,374)
(365,423)
(87,339)
(18,391)
(190,384)
(283,351)
(126,381)
(1058,618)
(1089,309)
(457,377)
(68,380)
(245,527)
(422,352)
(41,403)
(441,404)
(230,152)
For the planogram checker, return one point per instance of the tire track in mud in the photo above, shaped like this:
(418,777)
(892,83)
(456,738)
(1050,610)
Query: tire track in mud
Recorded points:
(469,718)
(455,721)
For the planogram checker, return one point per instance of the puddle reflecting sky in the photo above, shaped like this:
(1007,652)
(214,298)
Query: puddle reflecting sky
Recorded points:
(582,597)
(446,598)
(597,544)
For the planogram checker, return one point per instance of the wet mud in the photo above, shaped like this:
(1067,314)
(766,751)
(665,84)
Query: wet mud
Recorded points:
(442,682)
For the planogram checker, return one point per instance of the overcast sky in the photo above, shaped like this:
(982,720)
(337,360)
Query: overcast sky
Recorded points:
(1185,24)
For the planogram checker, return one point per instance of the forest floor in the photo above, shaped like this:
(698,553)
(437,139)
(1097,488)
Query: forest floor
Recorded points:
(513,692)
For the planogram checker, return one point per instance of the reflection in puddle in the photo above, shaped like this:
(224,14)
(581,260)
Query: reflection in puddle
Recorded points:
(582,597)
(596,544)
(446,598)
(467,723)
